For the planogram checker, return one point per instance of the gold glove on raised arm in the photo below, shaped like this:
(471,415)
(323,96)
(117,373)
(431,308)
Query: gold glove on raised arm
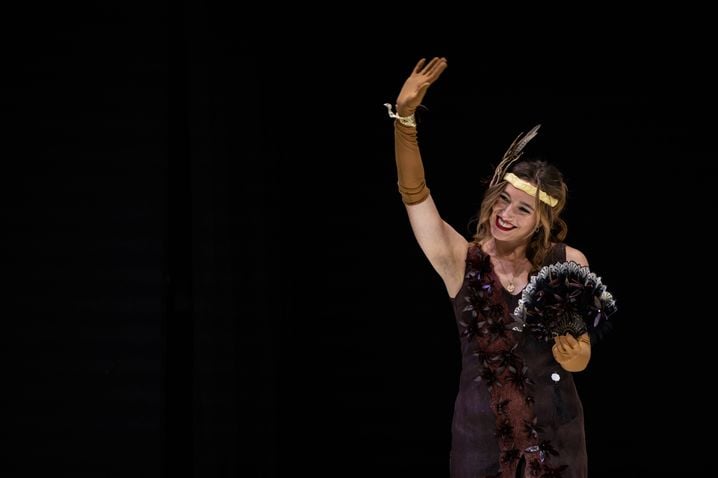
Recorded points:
(414,88)
(572,354)
(410,169)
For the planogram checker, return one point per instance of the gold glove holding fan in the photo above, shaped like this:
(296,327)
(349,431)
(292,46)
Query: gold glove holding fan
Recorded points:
(564,302)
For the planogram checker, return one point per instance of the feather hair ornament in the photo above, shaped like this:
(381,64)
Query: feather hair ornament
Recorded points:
(512,154)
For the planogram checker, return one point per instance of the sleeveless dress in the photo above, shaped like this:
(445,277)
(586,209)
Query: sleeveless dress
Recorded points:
(517,412)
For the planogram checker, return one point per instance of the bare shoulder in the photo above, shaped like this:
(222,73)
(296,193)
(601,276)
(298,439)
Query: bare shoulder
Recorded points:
(573,254)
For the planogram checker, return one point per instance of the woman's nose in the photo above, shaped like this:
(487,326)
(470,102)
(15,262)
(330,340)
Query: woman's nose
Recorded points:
(508,212)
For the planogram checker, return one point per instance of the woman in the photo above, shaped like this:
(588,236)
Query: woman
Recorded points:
(517,412)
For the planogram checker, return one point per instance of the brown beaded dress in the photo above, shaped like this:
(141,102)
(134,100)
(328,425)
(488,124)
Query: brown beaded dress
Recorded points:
(517,412)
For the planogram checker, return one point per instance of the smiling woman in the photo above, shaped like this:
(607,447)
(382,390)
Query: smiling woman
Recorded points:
(517,412)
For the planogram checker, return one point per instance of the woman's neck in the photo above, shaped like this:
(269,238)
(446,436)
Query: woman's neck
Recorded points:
(508,251)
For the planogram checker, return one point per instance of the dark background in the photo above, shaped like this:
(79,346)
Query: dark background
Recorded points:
(209,268)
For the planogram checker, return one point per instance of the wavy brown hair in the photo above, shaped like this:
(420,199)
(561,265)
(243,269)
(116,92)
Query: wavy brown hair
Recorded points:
(551,228)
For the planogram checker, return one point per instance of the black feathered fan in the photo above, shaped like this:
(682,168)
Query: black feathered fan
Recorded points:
(563,298)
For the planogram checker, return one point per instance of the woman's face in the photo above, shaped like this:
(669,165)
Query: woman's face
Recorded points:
(513,217)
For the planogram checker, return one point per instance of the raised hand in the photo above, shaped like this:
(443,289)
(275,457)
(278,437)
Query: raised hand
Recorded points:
(414,89)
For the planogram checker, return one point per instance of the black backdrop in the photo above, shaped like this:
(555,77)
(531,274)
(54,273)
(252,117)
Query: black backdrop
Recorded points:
(210,268)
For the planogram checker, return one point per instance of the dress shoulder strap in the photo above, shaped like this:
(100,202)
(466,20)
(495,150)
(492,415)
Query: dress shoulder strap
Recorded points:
(556,254)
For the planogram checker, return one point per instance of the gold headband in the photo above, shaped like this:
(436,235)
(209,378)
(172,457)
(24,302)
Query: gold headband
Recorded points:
(530,189)
(510,157)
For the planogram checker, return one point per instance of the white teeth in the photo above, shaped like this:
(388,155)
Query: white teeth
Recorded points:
(503,223)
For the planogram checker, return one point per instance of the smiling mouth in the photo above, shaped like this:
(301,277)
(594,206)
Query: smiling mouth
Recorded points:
(503,225)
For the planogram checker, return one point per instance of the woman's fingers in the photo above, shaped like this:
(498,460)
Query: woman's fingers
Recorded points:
(435,67)
(570,341)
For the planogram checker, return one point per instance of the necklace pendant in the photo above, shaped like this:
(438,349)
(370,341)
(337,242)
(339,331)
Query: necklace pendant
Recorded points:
(510,287)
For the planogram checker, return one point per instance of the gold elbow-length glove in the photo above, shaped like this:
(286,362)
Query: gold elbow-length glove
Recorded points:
(410,169)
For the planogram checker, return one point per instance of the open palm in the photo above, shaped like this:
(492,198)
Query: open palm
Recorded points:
(414,89)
